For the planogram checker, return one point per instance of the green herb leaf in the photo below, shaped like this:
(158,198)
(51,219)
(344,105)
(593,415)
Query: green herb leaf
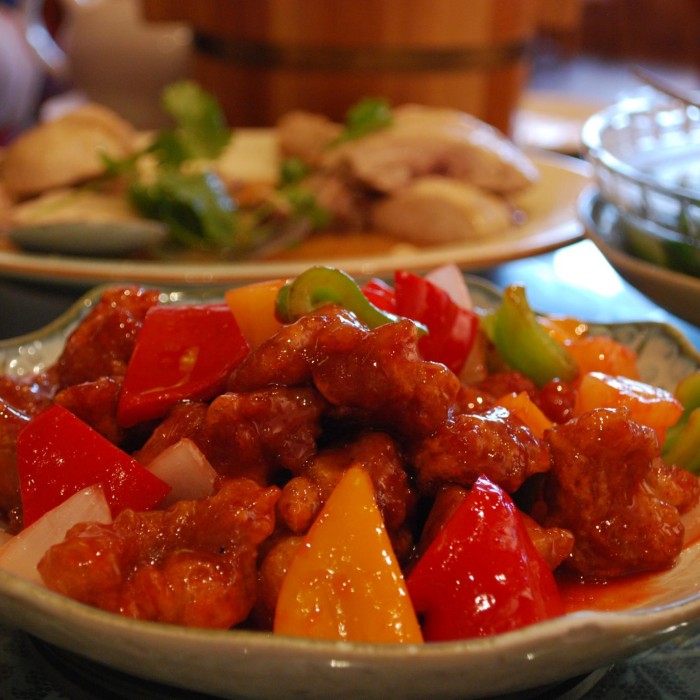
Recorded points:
(114,168)
(195,207)
(368,115)
(292,171)
(301,201)
(200,127)
(304,205)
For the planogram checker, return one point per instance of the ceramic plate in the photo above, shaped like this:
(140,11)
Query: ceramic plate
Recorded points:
(552,222)
(240,664)
(675,291)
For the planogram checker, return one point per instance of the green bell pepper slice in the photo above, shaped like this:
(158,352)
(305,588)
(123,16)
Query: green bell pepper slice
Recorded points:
(682,443)
(523,343)
(684,448)
(319,286)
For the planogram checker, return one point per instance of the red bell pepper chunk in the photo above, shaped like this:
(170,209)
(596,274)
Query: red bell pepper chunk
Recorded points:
(380,294)
(58,455)
(182,352)
(451,328)
(481,574)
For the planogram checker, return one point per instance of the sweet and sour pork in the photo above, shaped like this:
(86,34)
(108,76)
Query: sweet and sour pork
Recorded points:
(323,394)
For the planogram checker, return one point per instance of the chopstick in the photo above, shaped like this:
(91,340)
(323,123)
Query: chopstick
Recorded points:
(688,97)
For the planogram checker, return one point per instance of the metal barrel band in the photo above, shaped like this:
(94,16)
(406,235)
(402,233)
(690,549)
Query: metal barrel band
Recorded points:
(259,54)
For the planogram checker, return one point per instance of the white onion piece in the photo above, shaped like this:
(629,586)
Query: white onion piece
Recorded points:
(451,280)
(21,554)
(186,470)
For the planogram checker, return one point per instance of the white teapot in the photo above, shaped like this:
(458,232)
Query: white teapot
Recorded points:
(111,55)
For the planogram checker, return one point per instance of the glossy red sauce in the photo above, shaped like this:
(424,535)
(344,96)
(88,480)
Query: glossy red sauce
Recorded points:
(620,594)
(623,593)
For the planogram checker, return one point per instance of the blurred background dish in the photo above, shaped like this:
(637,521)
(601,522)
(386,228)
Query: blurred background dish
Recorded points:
(675,291)
(644,213)
(645,153)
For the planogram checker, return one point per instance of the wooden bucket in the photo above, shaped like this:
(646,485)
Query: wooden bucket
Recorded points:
(263,58)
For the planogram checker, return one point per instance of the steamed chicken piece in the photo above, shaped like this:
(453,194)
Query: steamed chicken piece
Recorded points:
(306,136)
(66,151)
(433,176)
(437,209)
(426,141)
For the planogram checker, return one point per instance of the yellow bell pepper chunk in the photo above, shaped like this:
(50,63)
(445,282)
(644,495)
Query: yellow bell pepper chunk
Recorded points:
(344,583)
(562,328)
(254,308)
(522,407)
(599,353)
(648,405)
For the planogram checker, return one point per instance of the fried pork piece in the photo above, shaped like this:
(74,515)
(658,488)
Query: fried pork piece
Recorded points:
(492,443)
(499,384)
(673,485)
(471,399)
(385,378)
(184,420)
(252,434)
(95,403)
(379,455)
(275,564)
(103,342)
(375,376)
(299,504)
(286,358)
(29,394)
(12,420)
(553,543)
(304,495)
(193,564)
(20,399)
(245,433)
(599,489)
(427,141)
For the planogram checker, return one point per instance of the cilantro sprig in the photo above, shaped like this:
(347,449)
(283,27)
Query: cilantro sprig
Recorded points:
(192,200)
(193,203)
(200,129)
(364,117)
